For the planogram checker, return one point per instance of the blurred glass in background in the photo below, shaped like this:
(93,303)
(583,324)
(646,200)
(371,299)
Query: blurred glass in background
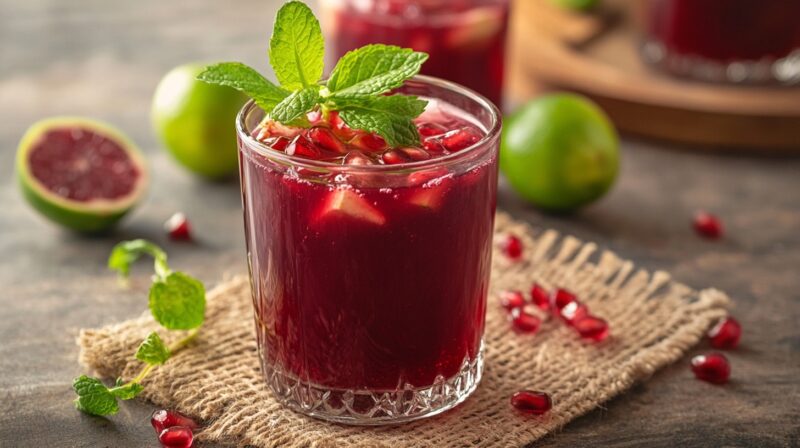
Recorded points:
(736,41)
(464,38)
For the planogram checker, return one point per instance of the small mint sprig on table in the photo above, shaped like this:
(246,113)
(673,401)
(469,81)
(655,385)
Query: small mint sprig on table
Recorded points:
(177,302)
(356,87)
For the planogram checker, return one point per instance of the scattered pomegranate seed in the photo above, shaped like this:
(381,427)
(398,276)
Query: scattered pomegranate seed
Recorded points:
(512,247)
(301,146)
(713,367)
(325,139)
(431,129)
(561,298)
(591,327)
(512,299)
(524,322)
(178,227)
(725,334)
(167,418)
(357,158)
(573,312)
(176,437)
(540,297)
(531,402)
(708,225)
(368,142)
(460,139)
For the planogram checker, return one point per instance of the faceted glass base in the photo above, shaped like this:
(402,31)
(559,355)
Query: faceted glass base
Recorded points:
(364,407)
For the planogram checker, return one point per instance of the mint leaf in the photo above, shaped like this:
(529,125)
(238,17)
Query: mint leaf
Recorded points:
(126,392)
(389,116)
(296,105)
(246,80)
(373,69)
(178,301)
(296,49)
(152,350)
(94,397)
(124,254)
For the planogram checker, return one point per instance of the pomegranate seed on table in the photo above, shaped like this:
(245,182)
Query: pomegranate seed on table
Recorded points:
(713,368)
(178,227)
(325,139)
(561,298)
(167,418)
(531,402)
(176,437)
(512,299)
(591,327)
(524,322)
(573,312)
(540,297)
(512,247)
(708,225)
(459,139)
(725,334)
(302,146)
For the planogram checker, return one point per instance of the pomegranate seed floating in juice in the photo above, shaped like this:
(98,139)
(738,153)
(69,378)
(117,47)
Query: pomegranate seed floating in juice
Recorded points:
(464,38)
(370,264)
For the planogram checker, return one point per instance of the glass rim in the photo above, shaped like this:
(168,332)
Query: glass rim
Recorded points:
(493,131)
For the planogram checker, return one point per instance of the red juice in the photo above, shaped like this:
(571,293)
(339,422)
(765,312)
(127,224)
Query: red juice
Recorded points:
(725,40)
(370,265)
(464,38)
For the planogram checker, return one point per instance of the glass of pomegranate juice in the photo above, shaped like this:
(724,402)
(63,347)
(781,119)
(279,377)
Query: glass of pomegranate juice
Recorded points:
(370,264)
(465,38)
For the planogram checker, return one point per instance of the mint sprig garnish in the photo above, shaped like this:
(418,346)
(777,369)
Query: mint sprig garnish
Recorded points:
(177,302)
(356,87)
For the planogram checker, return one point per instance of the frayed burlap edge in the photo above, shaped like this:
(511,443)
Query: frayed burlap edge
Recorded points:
(653,320)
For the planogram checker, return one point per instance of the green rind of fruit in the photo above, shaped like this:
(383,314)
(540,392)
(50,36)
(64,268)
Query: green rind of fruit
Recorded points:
(577,5)
(195,121)
(85,217)
(560,152)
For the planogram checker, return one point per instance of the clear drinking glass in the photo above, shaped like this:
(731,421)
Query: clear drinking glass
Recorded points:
(464,38)
(369,282)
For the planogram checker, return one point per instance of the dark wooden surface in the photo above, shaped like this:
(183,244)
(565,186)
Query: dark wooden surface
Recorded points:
(103,59)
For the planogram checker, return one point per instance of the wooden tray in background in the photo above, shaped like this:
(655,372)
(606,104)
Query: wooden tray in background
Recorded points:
(596,54)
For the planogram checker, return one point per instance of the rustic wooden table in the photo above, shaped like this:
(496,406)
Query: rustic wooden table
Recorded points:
(103,59)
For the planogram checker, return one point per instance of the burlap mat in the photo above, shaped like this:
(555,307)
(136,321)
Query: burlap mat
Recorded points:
(653,320)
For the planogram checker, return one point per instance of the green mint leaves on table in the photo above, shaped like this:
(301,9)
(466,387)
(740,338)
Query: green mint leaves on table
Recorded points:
(177,302)
(357,87)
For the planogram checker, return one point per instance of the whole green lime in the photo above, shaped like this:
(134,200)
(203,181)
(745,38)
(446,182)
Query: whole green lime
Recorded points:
(579,5)
(560,151)
(195,121)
